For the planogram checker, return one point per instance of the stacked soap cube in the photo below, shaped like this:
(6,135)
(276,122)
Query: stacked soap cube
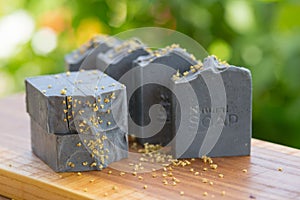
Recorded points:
(70,136)
(74,125)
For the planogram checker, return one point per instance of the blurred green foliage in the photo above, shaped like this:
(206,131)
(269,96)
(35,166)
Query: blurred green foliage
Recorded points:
(260,35)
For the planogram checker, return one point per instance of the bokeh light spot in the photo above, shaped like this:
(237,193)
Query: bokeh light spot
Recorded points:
(252,55)
(221,49)
(15,29)
(44,41)
(88,28)
(118,12)
(239,15)
(197,16)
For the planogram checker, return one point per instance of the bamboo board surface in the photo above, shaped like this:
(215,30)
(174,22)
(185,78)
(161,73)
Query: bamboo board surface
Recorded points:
(24,176)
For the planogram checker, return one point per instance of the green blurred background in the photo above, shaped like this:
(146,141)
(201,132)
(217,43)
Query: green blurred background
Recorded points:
(263,36)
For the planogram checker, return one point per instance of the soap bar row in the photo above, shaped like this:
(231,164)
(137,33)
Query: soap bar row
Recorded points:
(148,79)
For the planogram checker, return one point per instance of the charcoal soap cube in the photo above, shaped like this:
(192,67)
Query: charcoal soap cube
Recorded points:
(234,115)
(99,99)
(95,109)
(158,69)
(98,44)
(58,103)
(46,103)
(67,153)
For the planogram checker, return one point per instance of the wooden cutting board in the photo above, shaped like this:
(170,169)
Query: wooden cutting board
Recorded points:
(24,176)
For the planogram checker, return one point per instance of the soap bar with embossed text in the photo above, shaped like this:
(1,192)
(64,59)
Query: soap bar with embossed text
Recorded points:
(154,74)
(212,112)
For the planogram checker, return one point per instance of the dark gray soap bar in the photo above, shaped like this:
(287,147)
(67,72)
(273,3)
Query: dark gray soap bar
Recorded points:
(217,121)
(158,69)
(59,102)
(91,49)
(73,152)
(118,60)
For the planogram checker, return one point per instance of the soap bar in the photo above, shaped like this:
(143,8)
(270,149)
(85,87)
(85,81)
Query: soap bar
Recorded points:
(98,44)
(216,120)
(72,152)
(118,60)
(154,76)
(59,103)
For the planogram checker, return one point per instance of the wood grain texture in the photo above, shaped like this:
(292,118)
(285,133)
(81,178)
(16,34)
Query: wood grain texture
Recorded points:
(24,176)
